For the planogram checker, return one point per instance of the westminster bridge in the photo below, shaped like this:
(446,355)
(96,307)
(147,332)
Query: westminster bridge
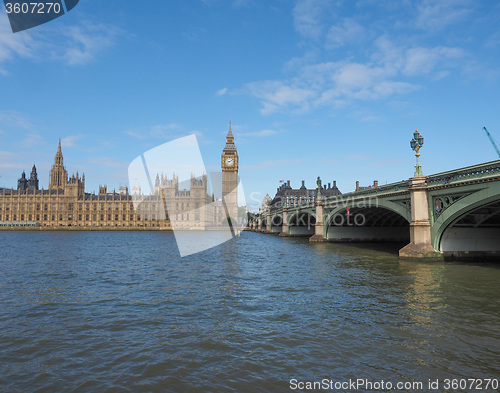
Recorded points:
(453,213)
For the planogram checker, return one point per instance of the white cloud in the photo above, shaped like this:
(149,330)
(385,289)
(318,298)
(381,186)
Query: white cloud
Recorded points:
(437,15)
(85,41)
(13,119)
(277,95)
(109,162)
(10,161)
(221,92)
(76,45)
(397,62)
(348,31)
(296,63)
(389,70)
(308,17)
(274,164)
(33,140)
(390,163)
(160,132)
(389,88)
(331,83)
(242,3)
(235,3)
(421,61)
(416,60)
(262,133)
(266,133)
(358,157)
(388,54)
(136,134)
(14,45)
(355,76)
(70,141)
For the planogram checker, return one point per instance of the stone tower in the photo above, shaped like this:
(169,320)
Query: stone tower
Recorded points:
(22,183)
(33,181)
(58,174)
(229,165)
(75,185)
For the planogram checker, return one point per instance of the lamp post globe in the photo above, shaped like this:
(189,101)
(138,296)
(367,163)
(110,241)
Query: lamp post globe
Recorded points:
(416,143)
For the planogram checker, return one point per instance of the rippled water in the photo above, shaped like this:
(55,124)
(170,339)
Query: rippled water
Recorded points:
(122,312)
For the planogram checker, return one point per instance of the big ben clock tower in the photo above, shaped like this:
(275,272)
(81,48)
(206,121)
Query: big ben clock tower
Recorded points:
(229,166)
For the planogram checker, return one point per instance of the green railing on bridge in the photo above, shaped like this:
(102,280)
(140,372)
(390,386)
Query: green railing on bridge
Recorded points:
(369,192)
(481,172)
(384,189)
(468,174)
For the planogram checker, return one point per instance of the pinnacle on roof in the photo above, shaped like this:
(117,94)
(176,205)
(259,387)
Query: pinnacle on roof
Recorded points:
(230,140)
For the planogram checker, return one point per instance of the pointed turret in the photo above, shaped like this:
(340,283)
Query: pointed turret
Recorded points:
(58,160)
(58,174)
(22,183)
(230,140)
(33,182)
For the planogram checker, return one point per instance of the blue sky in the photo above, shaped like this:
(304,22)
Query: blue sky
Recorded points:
(312,87)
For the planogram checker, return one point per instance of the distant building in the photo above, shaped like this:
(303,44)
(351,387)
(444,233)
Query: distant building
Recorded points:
(361,188)
(33,182)
(66,204)
(123,190)
(24,184)
(301,195)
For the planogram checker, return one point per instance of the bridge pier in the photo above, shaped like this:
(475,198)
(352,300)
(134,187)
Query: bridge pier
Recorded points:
(268,223)
(284,225)
(319,235)
(420,245)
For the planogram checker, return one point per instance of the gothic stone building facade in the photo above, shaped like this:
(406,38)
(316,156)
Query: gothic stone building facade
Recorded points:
(292,197)
(66,204)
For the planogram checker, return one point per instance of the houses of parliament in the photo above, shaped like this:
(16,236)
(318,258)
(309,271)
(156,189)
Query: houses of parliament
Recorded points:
(66,204)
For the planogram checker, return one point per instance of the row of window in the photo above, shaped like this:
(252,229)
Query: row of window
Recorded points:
(81,207)
(91,217)
(19,224)
(86,217)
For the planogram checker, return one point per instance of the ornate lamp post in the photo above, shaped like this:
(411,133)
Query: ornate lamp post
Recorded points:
(416,143)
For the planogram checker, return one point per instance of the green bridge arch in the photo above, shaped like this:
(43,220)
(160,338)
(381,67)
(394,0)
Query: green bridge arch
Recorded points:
(484,196)
(380,203)
(291,215)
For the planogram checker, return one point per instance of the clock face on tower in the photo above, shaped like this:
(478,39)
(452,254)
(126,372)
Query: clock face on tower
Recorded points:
(229,161)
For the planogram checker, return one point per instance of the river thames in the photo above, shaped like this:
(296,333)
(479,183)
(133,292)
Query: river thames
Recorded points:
(122,312)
